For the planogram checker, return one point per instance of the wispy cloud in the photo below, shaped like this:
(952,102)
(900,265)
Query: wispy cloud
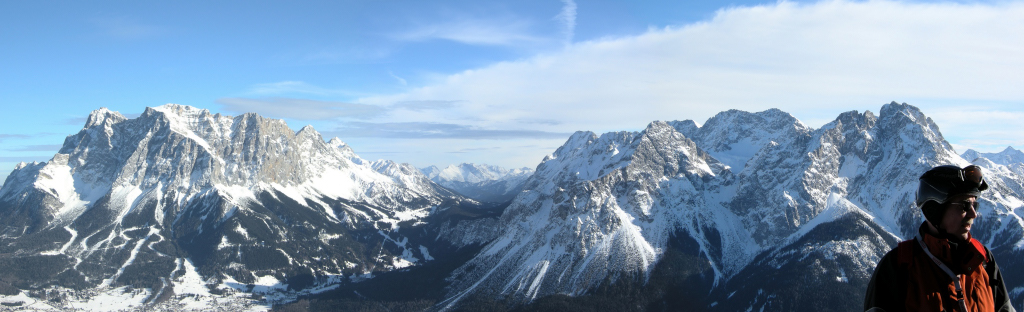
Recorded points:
(6,136)
(400,79)
(308,109)
(126,28)
(547,122)
(982,127)
(567,18)
(37,148)
(301,109)
(490,32)
(294,88)
(471,150)
(13,136)
(424,105)
(80,121)
(23,159)
(75,121)
(426,130)
(346,55)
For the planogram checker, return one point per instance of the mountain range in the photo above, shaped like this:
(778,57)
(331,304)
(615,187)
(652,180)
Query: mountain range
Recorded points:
(181,209)
(481,182)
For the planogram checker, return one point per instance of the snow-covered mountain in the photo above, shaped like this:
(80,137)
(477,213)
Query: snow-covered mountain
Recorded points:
(1009,159)
(481,182)
(234,203)
(749,211)
(790,218)
(1008,156)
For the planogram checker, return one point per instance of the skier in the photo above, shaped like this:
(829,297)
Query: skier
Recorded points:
(943,268)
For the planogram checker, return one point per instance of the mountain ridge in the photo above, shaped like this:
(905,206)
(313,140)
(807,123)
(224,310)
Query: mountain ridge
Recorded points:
(750,210)
(859,168)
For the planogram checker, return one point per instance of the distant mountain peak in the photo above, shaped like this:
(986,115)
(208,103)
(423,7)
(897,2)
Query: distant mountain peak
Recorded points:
(1007,157)
(487,183)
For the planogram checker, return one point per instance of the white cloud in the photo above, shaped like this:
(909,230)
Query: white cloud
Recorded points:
(812,60)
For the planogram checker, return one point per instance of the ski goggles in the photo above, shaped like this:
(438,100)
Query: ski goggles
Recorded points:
(972,174)
(968,177)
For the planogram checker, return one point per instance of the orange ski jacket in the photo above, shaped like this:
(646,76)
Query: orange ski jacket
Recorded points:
(907,279)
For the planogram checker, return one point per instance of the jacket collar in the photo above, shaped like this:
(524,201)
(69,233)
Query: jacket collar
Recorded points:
(971,253)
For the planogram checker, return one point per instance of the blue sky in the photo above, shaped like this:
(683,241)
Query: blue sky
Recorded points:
(505,83)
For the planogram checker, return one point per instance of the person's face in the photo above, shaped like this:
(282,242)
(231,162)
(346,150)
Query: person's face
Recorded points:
(959,216)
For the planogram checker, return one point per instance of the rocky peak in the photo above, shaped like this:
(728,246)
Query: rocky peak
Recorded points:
(862,121)
(576,141)
(307,130)
(660,145)
(743,122)
(22,177)
(971,155)
(394,169)
(687,127)
(585,156)
(905,128)
(103,117)
(734,136)
(851,132)
(346,151)
(178,111)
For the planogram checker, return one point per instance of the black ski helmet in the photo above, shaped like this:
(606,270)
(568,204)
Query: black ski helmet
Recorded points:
(941,183)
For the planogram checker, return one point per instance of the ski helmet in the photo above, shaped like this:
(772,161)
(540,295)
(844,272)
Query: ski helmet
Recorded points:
(941,183)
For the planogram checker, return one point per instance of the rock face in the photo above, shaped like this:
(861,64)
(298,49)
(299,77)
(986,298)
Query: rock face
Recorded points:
(783,217)
(239,200)
(480,182)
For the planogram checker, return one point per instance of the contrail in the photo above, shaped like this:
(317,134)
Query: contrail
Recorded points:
(568,19)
